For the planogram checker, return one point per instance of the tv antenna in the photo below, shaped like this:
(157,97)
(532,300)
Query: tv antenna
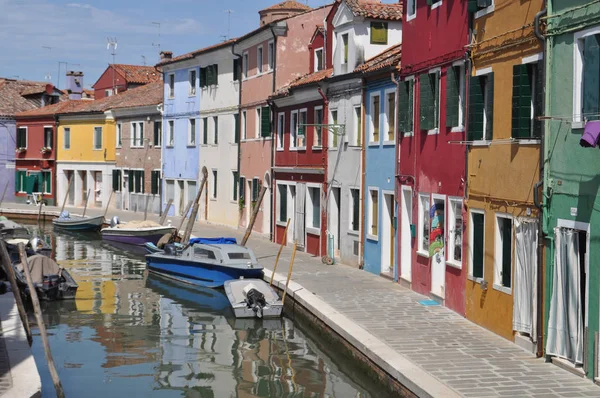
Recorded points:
(228,23)
(157,44)
(112,45)
(144,59)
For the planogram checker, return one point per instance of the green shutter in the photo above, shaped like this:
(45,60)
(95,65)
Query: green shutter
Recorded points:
(539,99)
(489,106)
(591,77)
(130,183)
(216,121)
(429,2)
(115,179)
(506,252)
(472,6)
(236,69)
(18,181)
(403,106)
(265,122)
(209,75)
(521,101)
(47,181)
(205,130)
(379,33)
(452,96)
(143,180)
(242,188)
(236,124)
(435,81)
(426,98)
(255,188)
(154,182)
(475,127)
(478,232)
(203,77)
(411,106)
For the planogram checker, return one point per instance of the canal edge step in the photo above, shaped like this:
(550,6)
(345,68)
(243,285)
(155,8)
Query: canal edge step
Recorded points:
(411,376)
(26,381)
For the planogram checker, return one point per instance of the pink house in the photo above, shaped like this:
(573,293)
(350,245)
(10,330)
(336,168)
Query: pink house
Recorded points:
(270,57)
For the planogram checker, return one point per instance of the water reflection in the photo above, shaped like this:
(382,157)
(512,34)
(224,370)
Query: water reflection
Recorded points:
(133,334)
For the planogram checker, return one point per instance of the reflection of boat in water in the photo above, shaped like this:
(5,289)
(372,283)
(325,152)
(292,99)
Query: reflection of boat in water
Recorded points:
(51,281)
(197,297)
(125,248)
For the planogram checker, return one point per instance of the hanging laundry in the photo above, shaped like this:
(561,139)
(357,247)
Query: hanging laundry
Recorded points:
(591,134)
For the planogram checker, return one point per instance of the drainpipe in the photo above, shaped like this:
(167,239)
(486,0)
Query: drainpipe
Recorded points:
(239,154)
(326,169)
(363,176)
(538,204)
(274,88)
(397,171)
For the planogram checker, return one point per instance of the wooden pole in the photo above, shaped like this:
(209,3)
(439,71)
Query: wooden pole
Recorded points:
(283,240)
(10,273)
(146,208)
(87,199)
(287,282)
(41,201)
(163,216)
(41,325)
(3,194)
(190,224)
(254,214)
(108,203)
(66,195)
(187,209)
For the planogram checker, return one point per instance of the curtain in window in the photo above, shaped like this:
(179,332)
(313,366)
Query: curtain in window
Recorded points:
(525,298)
(565,322)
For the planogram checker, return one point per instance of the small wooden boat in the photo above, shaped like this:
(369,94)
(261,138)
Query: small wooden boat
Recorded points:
(252,298)
(77,223)
(136,232)
(13,234)
(206,262)
(50,280)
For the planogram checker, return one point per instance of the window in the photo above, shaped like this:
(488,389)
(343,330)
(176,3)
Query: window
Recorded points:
(280,128)
(155,183)
(259,59)
(406,101)
(282,213)
(264,116)
(170,191)
(216,130)
(48,137)
(192,82)
(22,137)
(47,181)
(242,190)
(236,183)
(257,124)
(20,179)
(97,138)
(236,128)
(271,55)
(245,64)
(390,116)
(255,189)
(357,126)
(455,228)
(429,97)
(503,253)
(313,210)
(191,132)
(171,135)
(214,190)
(210,74)
(412,10)
(318,60)
(204,131)
(66,137)
(334,133)
(480,7)
(236,69)
(527,100)
(455,97)
(375,118)
(116,180)
(437,3)
(108,93)
(481,107)
(157,132)
(476,242)
(373,230)
(318,139)
(243,125)
(136,181)
(171,85)
(345,52)
(119,135)
(137,134)
(294,129)
(203,77)
(379,32)
(424,224)
(301,133)
(355,209)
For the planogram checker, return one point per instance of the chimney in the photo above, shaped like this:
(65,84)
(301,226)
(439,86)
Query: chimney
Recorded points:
(75,85)
(165,55)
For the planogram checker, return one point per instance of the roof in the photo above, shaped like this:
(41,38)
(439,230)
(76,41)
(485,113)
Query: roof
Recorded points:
(320,29)
(389,58)
(375,9)
(287,5)
(61,107)
(13,93)
(305,80)
(196,52)
(136,74)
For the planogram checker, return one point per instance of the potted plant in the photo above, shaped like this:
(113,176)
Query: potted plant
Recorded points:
(20,150)
(45,149)
(242,204)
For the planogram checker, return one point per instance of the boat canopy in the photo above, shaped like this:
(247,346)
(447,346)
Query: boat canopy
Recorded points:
(214,241)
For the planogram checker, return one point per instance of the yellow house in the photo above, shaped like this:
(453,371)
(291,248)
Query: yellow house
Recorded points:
(505,96)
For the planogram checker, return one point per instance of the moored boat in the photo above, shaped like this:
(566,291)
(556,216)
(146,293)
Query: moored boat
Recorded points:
(136,232)
(206,262)
(50,280)
(253,298)
(70,222)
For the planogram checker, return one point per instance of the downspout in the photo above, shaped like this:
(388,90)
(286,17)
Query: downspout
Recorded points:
(363,176)
(538,204)
(326,170)
(396,172)
(239,144)
(273,115)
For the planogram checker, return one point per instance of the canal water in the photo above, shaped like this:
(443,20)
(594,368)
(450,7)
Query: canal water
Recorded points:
(133,334)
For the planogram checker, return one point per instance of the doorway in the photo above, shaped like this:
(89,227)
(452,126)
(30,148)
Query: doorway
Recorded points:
(387,234)
(181,201)
(299,214)
(125,189)
(406,234)
(84,186)
(292,210)
(437,243)
(71,194)
(334,222)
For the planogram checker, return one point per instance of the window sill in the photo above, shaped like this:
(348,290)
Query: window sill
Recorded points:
(411,17)
(313,231)
(191,145)
(475,279)
(481,143)
(436,5)
(353,233)
(191,95)
(233,202)
(409,134)
(372,237)
(433,131)
(170,146)
(97,149)
(280,149)
(136,147)
(317,148)
(252,139)
(577,125)
(281,223)
(423,253)
(119,147)
(503,289)
(213,199)
(389,143)
(373,143)
(333,148)
(157,146)
(485,11)
(453,264)
(459,129)
(529,142)
(300,148)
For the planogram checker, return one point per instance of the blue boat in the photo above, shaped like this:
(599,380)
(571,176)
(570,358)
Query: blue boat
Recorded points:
(207,262)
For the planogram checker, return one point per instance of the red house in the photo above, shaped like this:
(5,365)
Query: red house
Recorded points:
(431,154)
(120,77)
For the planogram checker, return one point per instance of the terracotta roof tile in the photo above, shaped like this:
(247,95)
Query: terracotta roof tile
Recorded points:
(61,107)
(13,95)
(138,74)
(375,9)
(303,81)
(389,58)
(196,52)
(287,5)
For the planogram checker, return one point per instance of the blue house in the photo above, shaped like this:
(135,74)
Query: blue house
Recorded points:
(379,142)
(7,157)
(180,115)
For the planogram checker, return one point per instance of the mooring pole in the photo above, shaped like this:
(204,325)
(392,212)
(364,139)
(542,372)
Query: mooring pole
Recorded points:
(190,224)
(287,282)
(87,199)
(254,214)
(40,320)
(283,240)
(187,209)
(41,201)
(108,204)
(3,194)
(10,272)
(146,208)
(66,195)
(163,216)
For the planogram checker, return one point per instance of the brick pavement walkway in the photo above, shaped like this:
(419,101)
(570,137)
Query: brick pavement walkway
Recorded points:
(5,377)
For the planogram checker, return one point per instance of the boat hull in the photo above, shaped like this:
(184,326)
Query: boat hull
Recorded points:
(198,274)
(79,224)
(136,237)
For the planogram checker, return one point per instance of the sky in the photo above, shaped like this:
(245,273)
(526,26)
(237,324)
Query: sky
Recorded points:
(37,37)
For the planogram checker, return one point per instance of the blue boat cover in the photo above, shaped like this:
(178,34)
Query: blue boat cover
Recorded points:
(214,241)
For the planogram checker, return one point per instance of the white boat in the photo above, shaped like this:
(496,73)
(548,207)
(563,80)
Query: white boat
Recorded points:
(253,298)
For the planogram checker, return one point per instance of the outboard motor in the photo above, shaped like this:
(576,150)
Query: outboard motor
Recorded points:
(114,221)
(36,244)
(64,214)
(255,300)
(170,249)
